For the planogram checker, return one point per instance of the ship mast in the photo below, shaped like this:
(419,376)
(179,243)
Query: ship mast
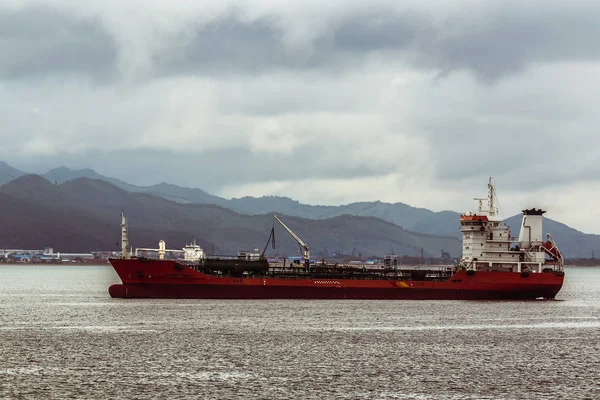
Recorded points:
(124,237)
(492,198)
(491,201)
(304,247)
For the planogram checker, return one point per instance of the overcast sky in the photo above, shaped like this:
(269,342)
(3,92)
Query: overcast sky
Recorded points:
(326,102)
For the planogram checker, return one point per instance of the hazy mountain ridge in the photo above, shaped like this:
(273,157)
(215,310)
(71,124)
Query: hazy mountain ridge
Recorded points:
(573,243)
(166,190)
(8,173)
(86,212)
(411,218)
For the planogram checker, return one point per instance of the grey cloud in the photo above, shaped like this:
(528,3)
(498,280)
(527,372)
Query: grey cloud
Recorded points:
(42,42)
(382,30)
(233,46)
(472,130)
(524,157)
(209,171)
(504,40)
(227,45)
(230,46)
(492,42)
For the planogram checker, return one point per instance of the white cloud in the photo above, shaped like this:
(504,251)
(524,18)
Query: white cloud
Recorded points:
(270,136)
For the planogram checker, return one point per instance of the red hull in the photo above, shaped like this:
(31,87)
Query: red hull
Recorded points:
(167,279)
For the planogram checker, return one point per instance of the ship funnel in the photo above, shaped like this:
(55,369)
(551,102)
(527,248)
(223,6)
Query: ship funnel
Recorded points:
(531,228)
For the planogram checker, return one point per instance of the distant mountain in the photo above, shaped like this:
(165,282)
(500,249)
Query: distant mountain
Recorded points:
(416,220)
(8,173)
(166,190)
(64,174)
(83,214)
(183,195)
(410,218)
(421,220)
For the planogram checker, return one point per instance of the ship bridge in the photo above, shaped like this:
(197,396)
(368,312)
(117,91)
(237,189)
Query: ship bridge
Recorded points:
(489,245)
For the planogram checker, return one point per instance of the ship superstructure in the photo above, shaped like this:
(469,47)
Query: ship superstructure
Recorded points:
(193,253)
(489,246)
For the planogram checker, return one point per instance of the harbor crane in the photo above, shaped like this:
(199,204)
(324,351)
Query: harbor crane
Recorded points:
(304,247)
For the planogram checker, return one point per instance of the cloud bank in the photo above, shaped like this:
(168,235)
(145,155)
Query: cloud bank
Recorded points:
(324,102)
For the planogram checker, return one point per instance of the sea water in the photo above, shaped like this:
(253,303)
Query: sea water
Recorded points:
(62,336)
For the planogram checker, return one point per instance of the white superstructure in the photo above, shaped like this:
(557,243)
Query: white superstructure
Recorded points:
(249,255)
(489,246)
(193,252)
(531,229)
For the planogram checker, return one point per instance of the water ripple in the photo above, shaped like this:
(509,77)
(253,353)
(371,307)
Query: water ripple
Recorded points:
(63,337)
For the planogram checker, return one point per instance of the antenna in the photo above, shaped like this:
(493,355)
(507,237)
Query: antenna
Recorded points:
(491,201)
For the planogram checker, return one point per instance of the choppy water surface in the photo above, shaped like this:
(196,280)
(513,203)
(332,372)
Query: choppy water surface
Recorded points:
(62,336)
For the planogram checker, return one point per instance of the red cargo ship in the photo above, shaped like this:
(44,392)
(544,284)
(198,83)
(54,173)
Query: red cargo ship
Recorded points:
(491,268)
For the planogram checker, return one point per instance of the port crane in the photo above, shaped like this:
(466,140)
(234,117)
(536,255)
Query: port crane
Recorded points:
(304,247)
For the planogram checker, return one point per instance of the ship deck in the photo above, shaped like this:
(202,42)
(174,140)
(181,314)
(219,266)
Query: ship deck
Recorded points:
(417,274)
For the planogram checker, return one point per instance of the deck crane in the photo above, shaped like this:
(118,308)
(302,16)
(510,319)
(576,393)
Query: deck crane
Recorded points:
(304,247)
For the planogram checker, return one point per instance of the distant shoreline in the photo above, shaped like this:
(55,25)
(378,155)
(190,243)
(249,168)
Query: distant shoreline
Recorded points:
(84,263)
